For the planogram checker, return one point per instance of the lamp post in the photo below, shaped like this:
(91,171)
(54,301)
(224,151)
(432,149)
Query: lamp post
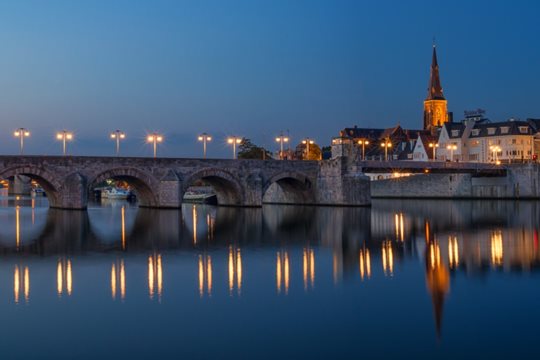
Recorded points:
(118,135)
(363,143)
(233,140)
(204,137)
(451,148)
(433,146)
(155,138)
(386,145)
(281,139)
(64,136)
(307,142)
(21,133)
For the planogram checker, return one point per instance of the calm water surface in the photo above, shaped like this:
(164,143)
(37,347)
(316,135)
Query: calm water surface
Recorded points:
(417,279)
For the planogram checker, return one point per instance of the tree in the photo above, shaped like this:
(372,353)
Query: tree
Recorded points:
(315,152)
(248,150)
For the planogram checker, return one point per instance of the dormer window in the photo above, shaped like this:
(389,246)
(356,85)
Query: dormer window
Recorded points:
(455,133)
(523,129)
(491,131)
(476,132)
(505,129)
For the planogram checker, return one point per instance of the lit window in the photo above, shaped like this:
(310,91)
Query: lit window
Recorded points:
(504,129)
(523,129)
(491,131)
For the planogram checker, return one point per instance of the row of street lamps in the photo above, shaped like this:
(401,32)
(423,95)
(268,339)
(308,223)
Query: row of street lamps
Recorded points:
(154,138)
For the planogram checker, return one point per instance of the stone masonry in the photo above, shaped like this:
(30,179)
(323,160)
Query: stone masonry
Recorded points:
(162,182)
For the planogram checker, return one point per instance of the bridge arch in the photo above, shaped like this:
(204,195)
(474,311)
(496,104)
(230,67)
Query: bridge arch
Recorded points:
(50,182)
(228,190)
(145,185)
(289,187)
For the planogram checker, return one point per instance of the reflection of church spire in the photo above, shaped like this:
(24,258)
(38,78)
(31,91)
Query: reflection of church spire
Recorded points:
(438,282)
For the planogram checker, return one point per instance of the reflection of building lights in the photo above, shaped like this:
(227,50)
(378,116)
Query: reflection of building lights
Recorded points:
(21,282)
(64,277)
(364,261)
(434,255)
(453,252)
(400,228)
(309,268)
(387,258)
(205,275)
(496,248)
(155,276)
(235,270)
(118,276)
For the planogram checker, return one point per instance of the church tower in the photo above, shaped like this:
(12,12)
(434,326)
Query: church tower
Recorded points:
(435,109)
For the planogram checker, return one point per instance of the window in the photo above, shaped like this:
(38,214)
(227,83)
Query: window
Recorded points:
(523,129)
(504,129)
(476,132)
(491,131)
(514,141)
(455,133)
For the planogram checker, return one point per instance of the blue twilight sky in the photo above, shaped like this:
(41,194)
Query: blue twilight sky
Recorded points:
(253,68)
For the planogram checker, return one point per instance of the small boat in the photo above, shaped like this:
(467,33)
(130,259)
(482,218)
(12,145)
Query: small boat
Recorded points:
(115,193)
(38,191)
(199,198)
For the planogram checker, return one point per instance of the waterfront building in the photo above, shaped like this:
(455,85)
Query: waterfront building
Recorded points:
(477,139)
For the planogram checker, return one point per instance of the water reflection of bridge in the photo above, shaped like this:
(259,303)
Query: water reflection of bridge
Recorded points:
(361,242)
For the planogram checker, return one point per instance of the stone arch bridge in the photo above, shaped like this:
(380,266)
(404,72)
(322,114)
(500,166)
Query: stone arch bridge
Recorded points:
(162,182)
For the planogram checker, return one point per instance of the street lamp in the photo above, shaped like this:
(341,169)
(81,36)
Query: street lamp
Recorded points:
(363,143)
(204,137)
(452,148)
(307,142)
(21,133)
(233,140)
(281,139)
(118,135)
(64,136)
(386,145)
(154,138)
(433,146)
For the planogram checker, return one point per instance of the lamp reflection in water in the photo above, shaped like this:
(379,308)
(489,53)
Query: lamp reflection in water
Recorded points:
(194,213)
(205,275)
(400,228)
(123,234)
(118,277)
(17,226)
(21,282)
(282,272)
(387,258)
(364,261)
(64,277)
(235,270)
(308,262)
(496,248)
(453,252)
(155,276)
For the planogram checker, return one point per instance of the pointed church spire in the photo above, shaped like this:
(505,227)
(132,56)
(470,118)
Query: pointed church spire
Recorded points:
(435,91)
